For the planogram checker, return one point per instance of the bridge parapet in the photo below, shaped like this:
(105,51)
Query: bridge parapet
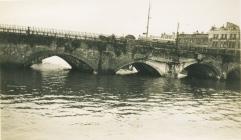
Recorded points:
(48,32)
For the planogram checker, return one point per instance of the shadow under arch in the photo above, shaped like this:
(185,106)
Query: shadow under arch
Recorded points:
(77,63)
(202,71)
(234,74)
(142,68)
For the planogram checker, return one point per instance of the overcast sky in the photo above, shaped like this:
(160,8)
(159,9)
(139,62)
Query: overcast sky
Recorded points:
(120,16)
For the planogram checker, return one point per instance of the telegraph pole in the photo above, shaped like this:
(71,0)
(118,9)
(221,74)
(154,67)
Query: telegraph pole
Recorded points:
(148,20)
(177,44)
(177,34)
(175,59)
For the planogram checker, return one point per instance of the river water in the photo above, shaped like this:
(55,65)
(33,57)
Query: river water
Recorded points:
(66,105)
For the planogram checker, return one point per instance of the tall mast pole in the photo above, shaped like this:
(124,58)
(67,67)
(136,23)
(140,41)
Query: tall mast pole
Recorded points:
(175,58)
(177,34)
(148,20)
(177,43)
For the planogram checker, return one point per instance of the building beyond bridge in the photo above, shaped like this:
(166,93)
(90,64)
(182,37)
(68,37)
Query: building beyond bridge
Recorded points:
(227,36)
(196,39)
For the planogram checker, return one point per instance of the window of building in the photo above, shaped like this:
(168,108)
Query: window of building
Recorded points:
(225,36)
(214,44)
(233,44)
(231,36)
(224,44)
(229,44)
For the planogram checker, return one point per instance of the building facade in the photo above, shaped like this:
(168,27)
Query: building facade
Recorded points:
(196,39)
(227,36)
(162,38)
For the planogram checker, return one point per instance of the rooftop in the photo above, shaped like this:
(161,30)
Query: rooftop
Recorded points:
(227,26)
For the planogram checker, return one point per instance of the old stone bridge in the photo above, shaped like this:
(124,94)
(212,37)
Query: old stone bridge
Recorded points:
(25,46)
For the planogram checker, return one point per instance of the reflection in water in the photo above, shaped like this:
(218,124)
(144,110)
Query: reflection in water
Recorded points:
(70,105)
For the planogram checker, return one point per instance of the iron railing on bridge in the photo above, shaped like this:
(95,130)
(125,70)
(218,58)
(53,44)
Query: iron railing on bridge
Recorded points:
(48,32)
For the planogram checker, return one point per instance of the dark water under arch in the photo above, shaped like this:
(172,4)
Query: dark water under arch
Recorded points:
(202,71)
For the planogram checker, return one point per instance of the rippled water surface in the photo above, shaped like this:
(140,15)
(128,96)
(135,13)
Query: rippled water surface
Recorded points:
(64,105)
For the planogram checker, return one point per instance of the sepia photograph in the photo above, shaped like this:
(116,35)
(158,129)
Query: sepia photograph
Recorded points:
(120,70)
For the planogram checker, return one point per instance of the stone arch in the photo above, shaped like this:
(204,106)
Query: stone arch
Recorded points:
(213,61)
(143,67)
(202,70)
(183,65)
(234,73)
(78,63)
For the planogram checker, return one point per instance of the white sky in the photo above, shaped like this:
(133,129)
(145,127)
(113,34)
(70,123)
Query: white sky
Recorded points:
(120,16)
